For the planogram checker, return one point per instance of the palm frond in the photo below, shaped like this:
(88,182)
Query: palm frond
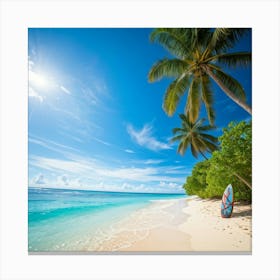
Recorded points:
(177,129)
(186,123)
(177,138)
(198,124)
(207,127)
(194,150)
(183,147)
(167,68)
(204,145)
(203,36)
(173,94)
(226,38)
(210,147)
(209,137)
(207,97)
(229,82)
(184,118)
(232,59)
(223,39)
(173,39)
(193,102)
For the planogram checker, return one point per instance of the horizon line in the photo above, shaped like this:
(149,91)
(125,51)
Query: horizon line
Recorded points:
(29,187)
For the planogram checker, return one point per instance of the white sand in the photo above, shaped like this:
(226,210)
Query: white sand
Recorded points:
(186,225)
(210,232)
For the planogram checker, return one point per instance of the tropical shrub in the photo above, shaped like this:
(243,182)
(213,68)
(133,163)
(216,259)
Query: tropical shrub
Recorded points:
(196,183)
(231,164)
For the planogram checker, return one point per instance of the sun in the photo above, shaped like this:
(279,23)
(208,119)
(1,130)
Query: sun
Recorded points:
(40,81)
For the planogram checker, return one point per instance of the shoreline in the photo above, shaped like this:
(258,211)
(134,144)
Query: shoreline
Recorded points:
(181,225)
(61,220)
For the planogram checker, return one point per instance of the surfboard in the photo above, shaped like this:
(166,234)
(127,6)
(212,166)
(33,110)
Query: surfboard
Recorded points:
(227,202)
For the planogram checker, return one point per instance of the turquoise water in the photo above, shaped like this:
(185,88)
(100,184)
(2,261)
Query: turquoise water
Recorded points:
(73,220)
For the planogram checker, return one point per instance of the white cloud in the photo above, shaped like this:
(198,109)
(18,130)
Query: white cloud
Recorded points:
(129,173)
(39,180)
(102,174)
(53,146)
(171,185)
(101,141)
(148,161)
(76,183)
(126,187)
(153,161)
(178,170)
(129,151)
(30,64)
(53,164)
(162,184)
(90,96)
(34,94)
(68,174)
(63,180)
(145,139)
(92,169)
(37,83)
(65,90)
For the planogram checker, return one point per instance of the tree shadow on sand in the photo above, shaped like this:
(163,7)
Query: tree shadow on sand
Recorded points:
(241,213)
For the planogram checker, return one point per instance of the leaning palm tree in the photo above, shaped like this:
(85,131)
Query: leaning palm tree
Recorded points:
(200,55)
(194,134)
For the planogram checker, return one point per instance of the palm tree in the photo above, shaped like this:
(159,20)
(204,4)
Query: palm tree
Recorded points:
(194,135)
(200,54)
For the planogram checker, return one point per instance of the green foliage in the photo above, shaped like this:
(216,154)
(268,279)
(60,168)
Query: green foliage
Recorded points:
(236,150)
(196,183)
(173,94)
(231,164)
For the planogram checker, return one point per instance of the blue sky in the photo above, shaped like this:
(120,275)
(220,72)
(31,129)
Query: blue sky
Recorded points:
(95,122)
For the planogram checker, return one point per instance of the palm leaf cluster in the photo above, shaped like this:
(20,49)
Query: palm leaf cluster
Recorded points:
(194,135)
(199,56)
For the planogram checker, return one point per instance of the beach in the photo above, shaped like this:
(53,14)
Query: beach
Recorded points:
(88,221)
(182,225)
(61,220)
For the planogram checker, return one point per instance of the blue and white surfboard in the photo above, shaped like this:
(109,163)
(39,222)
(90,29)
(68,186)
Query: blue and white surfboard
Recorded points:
(227,202)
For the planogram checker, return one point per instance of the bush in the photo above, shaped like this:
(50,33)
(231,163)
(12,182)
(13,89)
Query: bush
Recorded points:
(231,164)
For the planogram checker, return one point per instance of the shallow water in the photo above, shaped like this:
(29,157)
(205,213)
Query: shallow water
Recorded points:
(77,220)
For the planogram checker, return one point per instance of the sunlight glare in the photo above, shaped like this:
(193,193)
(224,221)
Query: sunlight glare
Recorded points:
(39,80)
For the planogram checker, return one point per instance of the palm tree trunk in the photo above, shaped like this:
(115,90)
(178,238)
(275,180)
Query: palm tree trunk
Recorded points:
(243,180)
(229,93)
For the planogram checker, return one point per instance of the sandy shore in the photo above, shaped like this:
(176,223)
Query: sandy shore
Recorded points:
(210,232)
(186,225)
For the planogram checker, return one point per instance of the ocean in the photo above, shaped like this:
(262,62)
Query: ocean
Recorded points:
(61,220)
